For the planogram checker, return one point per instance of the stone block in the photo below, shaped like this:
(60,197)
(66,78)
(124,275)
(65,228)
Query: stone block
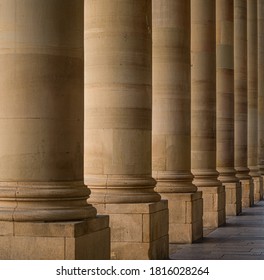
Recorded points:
(139,230)
(154,250)
(55,241)
(214,214)
(247,187)
(185,216)
(258,188)
(233,198)
(130,230)
(89,247)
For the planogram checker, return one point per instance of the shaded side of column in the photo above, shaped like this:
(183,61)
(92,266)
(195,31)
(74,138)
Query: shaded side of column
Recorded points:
(41,126)
(225,105)
(252,59)
(118,124)
(171,137)
(259,193)
(203,111)
(241,110)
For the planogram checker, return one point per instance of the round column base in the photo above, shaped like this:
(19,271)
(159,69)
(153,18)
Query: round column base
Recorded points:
(44,201)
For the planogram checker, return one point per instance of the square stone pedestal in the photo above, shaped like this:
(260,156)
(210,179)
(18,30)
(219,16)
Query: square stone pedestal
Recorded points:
(82,240)
(185,216)
(247,193)
(214,214)
(139,231)
(233,198)
(258,188)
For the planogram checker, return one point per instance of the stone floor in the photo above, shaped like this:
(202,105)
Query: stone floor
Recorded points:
(242,238)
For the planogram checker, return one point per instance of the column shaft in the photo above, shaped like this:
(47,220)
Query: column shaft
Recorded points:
(171,137)
(225,104)
(43,201)
(252,57)
(252,87)
(203,110)
(118,123)
(259,193)
(261,85)
(241,110)
(41,116)
(118,102)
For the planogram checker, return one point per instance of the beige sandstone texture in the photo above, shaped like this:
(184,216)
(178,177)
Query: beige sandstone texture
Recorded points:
(225,104)
(118,122)
(259,190)
(138,230)
(247,192)
(241,103)
(77,240)
(171,135)
(185,216)
(260,26)
(203,111)
(252,60)
(41,124)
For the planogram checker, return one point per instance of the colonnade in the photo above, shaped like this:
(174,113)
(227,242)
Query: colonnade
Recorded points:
(127,125)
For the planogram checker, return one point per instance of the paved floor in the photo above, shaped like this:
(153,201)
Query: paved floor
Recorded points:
(242,238)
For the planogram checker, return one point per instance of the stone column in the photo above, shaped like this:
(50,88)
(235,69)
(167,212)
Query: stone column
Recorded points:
(43,200)
(203,111)
(171,137)
(241,110)
(260,8)
(252,58)
(225,105)
(118,121)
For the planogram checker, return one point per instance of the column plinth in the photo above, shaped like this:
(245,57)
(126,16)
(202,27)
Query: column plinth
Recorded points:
(41,127)
(118,124)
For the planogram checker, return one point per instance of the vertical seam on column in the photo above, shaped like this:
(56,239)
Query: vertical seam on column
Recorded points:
(142,217)
(147,20)
(106,192)
(16,205)
(15,27)
(64,239)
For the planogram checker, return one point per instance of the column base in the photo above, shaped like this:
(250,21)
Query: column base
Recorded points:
(258,188)
(79,240)
(139,231)
(247,193)
(185,216)
(214,214)
(233,198)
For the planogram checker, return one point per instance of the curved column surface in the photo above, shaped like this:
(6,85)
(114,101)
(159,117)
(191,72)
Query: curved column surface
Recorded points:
(261,86)
(252,59)
(203,93)
(118,101)
(171,150)
(41,115)
(225,91)
(240,85)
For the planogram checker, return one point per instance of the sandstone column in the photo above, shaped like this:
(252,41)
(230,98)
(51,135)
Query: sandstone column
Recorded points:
(203,111)
(171,150)
(225,105)
(252,59)
(241,111)
(118,120)
(42,194)
(259,193)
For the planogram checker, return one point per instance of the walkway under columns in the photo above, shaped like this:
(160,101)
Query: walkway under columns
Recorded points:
(242,238)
